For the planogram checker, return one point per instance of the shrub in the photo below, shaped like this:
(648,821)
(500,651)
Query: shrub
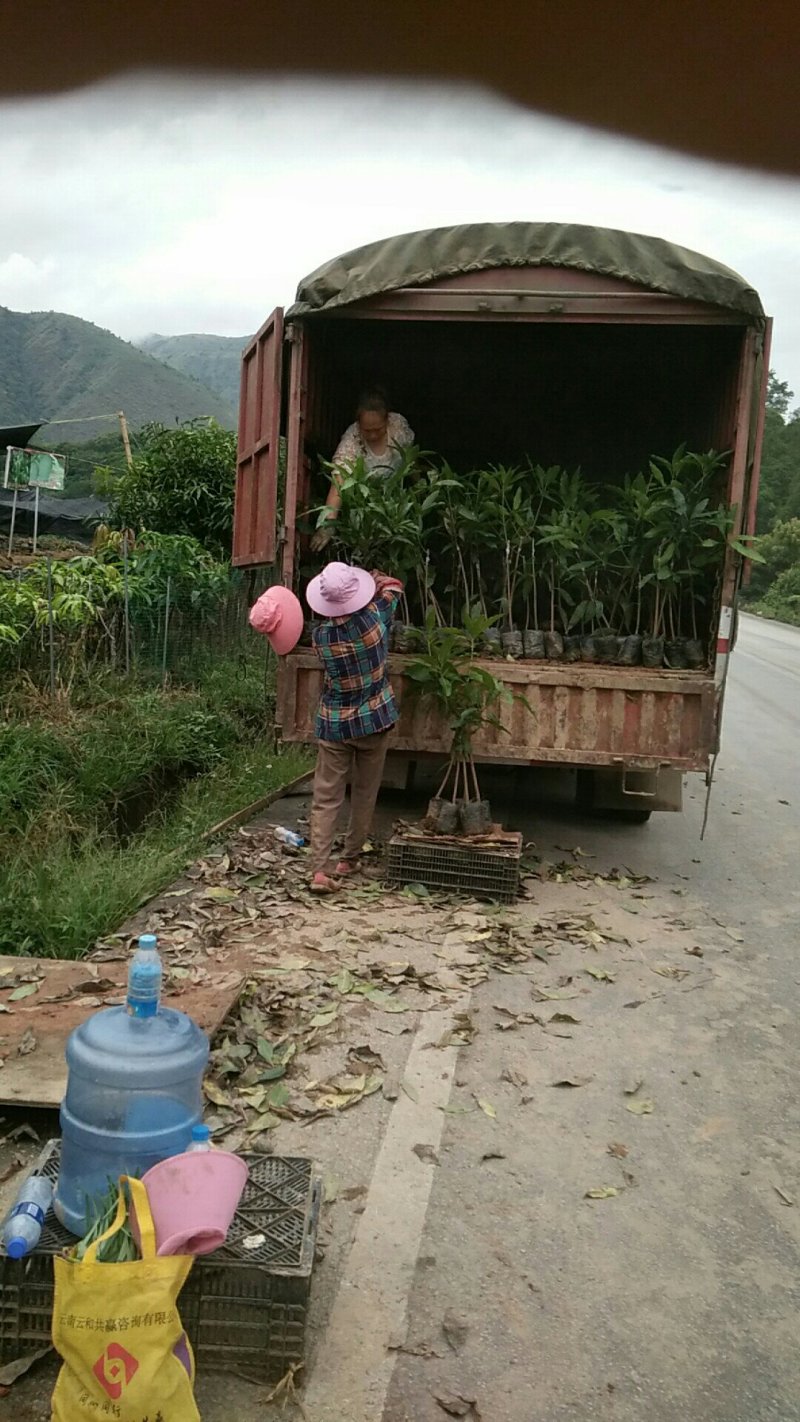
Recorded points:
(181,481)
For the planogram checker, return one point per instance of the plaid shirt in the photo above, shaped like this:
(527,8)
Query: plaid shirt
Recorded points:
(357,699)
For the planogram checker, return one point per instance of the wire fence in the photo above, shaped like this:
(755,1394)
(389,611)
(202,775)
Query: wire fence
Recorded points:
(169,633)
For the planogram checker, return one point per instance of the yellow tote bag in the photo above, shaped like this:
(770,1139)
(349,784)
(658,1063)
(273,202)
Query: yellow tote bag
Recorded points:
(117,1328)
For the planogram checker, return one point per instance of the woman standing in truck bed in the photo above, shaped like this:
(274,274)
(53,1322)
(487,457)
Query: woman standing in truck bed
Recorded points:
(378,436)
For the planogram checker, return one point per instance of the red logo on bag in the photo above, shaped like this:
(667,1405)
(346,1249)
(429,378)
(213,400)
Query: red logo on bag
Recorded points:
(114,1369)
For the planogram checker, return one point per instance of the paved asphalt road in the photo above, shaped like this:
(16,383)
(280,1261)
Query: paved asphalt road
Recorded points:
(678,1300)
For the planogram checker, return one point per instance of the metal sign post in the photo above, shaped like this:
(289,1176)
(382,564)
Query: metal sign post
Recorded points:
(14,504)
(35,469)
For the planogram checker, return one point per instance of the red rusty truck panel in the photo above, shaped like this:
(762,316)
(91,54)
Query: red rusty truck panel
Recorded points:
(566,715)
(254,537)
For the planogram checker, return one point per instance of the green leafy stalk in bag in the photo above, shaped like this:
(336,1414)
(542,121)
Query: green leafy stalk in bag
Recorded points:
(120,1248)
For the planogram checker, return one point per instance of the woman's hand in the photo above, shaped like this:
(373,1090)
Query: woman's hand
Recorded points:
(329,515)
(323,536)
(384,582)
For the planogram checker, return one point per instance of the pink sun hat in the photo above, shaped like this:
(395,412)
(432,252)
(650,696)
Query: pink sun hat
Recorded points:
(279,615)
(339,590)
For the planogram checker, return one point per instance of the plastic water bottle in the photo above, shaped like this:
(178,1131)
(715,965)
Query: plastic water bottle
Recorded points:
(290,837)
(23,1226)
(201,1139)
(144,978)
(134,1091)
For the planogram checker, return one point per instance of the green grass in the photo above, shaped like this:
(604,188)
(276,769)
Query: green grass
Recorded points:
(59,900)
(105,798)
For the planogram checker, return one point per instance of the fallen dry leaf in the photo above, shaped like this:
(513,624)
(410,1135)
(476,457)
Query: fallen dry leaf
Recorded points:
(426,1153)
(415,1350)
(486,1107)
(27,1043)
(572,1081)
(617,1149)
(456,1405)
(784,1198)
(455,1330)
(25,990)
(214,1094)
(640,1107)
(12,1371)
(267,1121)
(602,1192)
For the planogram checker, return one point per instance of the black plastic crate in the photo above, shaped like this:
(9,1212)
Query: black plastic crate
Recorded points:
(481,871)
(243,1307)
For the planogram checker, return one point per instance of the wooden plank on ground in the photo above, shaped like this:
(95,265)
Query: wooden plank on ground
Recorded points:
(35,1025)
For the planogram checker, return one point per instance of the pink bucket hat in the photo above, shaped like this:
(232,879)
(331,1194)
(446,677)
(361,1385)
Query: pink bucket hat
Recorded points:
(279,615)
(339,590)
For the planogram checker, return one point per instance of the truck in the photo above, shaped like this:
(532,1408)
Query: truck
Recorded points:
(585,346)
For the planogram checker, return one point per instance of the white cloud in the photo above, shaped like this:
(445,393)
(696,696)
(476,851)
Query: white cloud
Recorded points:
(156,205)
(23,274)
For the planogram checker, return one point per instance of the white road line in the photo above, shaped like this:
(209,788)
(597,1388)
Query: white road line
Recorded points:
(353,1366)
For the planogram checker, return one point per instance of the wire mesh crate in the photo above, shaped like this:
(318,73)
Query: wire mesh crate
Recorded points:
(243,1307)
(481,870)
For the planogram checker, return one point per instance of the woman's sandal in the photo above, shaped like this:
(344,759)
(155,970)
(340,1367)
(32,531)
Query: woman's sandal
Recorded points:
(322,884)
(345,868)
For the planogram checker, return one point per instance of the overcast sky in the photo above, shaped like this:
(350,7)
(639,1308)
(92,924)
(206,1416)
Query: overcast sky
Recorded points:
(171,206)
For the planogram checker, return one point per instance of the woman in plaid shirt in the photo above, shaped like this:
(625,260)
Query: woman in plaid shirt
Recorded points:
(356,711)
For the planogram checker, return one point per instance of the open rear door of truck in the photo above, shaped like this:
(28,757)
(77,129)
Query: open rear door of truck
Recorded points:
(254,529)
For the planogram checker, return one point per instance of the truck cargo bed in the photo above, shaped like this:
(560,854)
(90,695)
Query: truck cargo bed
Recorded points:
(576,714)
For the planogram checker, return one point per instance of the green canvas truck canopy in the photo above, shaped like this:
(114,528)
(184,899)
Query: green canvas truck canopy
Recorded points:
(418,258)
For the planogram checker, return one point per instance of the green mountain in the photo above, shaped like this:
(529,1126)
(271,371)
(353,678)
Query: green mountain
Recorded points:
(215,360)
(58,368)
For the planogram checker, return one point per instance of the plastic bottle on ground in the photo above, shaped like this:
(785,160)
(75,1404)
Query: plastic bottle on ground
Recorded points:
(201,1139)
(290,837)
(23,1226)
(144,978)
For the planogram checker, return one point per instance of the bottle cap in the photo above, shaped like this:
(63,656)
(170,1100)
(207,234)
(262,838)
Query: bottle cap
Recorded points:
(201,1133)
(148,941)
(17,1248)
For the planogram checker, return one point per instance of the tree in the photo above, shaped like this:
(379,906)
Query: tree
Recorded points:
(779,491)
(181,481)
(778,395)
(780,551)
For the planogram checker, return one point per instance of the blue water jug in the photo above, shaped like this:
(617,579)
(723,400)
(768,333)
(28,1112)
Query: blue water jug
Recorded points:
(134,1092)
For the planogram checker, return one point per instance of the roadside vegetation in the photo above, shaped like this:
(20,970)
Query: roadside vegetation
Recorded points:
(106,793)
(774,589)
(136,711)
(181,481)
